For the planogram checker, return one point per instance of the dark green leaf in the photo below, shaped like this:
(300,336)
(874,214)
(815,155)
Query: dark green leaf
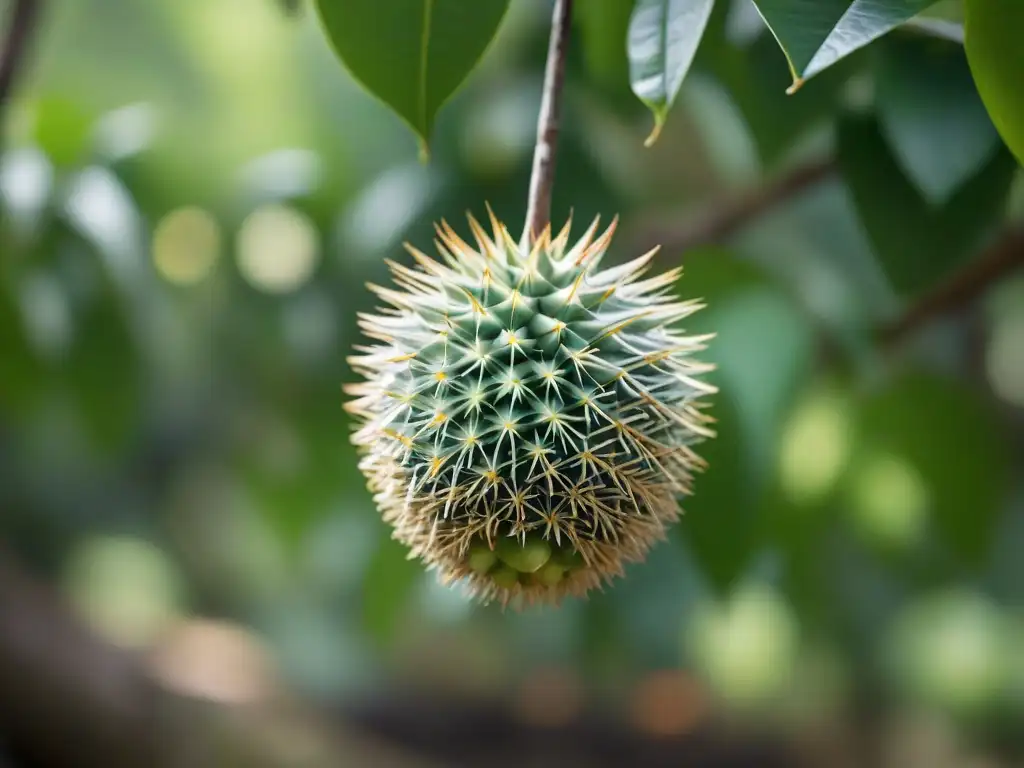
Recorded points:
(762,349)
(412,54)
(718,520)
(955,442)
(917,243)
(19,367)
(663,39)
(815,34)
(756,79)
(387,586)
(102,370)
(992,34)
(603,29)
(931,114)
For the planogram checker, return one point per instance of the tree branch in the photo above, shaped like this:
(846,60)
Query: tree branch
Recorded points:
(542,177)
(1004,256)
(24,15)
(724,218)
(68,698)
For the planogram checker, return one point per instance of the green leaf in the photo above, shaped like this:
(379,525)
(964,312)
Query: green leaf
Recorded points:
(756,80)
(663,39)
(932,115)
(915,242)
(388,585)
(61,127)
(719,519)
(956,444)
(815,34)
(762,350)
(412,54)
(992,36)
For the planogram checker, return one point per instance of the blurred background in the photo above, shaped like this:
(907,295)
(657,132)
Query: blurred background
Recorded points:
(192,573)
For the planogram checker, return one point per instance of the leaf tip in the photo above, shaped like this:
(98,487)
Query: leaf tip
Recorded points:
(424,151)
(798,83)
(659,123)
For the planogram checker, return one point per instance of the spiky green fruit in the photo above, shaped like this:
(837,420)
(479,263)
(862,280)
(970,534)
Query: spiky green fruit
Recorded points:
(527,421)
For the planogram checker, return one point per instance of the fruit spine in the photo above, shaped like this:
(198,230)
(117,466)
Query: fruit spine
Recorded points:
(527,421)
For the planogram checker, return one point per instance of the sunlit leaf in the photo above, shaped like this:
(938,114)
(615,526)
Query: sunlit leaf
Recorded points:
(663,39)
(412,54)
(992,33)
(815,34)
(930,112)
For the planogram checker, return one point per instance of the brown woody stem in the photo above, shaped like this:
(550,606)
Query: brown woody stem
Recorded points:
(542,177)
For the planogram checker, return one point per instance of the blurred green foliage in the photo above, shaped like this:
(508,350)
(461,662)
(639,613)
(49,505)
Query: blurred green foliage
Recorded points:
(193,196)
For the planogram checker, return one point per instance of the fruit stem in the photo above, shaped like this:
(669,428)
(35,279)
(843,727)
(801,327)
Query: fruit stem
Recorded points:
(542,177)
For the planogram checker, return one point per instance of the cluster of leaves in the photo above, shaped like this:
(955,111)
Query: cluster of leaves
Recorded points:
(414,54)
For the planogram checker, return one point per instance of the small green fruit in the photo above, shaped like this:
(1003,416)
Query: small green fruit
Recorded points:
(505,577)
(527,558)
(569,559)
(481,558)
(550,575)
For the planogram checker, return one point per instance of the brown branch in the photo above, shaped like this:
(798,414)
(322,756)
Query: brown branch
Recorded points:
(68,699)
(722,219)
(65,697)
(1004,256)
(542,177)
(24,16)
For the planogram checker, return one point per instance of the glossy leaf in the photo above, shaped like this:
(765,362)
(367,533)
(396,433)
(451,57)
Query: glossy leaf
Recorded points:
(412,54)
(815,34)
(663,39)
(932,115)
(992,34)
(917,243)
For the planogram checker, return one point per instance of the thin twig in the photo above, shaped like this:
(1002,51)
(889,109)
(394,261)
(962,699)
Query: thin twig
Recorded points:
(542,177)
(1004,256)
(722,219)
(24,15)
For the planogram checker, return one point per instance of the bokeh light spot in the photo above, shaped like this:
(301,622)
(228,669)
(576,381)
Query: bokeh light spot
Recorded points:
(125,588)
(953,650)
(278,249)
(1004,358)
(889,499)
(216,661)
(747,647)
(815,447)
(186,245)
(668,703)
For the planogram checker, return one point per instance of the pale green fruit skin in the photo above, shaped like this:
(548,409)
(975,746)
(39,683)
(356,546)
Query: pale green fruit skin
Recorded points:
(526,402)
(481,558)
(525,558)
